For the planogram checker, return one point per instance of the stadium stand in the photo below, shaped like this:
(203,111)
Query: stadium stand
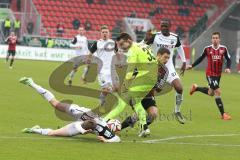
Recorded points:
(110,11)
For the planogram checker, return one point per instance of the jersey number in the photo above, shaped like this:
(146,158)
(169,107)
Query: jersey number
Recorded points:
(151,57)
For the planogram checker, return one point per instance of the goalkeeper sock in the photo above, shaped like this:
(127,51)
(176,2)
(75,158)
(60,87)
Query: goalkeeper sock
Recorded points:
(202,89)
(45,93)
(141,113)
(117,110)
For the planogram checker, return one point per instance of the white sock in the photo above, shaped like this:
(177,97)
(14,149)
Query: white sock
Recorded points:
(42,131)
(102,98)
(71,75)
(179,99)
(45,93)
(85,71)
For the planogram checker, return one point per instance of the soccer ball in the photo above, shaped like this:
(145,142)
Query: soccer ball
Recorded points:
(114,125)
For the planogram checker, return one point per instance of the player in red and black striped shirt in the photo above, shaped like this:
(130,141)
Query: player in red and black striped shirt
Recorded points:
(215,54)
(12,42)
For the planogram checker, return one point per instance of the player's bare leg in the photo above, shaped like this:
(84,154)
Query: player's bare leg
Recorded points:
(179,98)
(69,130)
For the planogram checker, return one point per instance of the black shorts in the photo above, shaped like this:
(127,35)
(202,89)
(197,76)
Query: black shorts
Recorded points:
(148,101)
(214,82)
(11,53)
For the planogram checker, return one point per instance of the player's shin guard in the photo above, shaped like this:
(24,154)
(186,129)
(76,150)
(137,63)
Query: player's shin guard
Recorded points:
(219,104)
(45,93)
(202,90)
(179,99)
(117,110)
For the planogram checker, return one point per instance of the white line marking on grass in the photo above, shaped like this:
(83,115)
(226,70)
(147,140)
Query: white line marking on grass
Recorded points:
(201,144)
(188,136)
(153,141)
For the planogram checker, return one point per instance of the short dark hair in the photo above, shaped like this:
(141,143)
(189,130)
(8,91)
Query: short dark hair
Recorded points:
(89,124)
(216,33)
(104,27)
(124,36)
(166,20)
(163,50)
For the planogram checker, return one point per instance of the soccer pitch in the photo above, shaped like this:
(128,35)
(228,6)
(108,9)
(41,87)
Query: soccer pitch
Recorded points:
(204,136)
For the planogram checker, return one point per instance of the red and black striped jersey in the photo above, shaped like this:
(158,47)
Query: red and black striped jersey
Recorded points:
(12,42)
(215,59)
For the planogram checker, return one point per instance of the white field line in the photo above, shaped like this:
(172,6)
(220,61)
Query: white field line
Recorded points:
(160,141)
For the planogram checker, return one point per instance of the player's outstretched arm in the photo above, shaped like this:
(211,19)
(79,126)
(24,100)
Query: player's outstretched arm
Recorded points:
(115,139)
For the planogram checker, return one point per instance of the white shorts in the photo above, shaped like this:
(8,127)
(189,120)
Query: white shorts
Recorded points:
(74,128)
(108,80)
(172,75)
(80,113)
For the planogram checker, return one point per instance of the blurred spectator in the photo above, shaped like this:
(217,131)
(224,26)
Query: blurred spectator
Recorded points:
(17,27)
(88,25)
(90,1)
(180,2)
(180,31)
(19,5)
(76,24)
(238,59)
(154,11)
(133,14)
(102,1)
(190,3)
(116,31)
(50,43)
(60,29)
(30,27)
(183,11)
(139,33)
(35,42)
(158,10)
(7,27)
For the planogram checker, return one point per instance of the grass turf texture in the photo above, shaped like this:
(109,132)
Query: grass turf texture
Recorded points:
(22,107)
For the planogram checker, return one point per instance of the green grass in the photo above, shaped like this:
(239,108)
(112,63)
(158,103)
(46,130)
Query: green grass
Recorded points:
(21,107)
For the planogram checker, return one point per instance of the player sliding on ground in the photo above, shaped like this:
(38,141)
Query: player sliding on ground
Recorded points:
(214,54)
(86,120)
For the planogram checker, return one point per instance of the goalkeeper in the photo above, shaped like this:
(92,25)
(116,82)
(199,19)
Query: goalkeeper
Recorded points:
(140,77)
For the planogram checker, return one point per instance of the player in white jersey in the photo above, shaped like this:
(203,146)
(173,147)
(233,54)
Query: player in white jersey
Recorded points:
(171,41)
(104,50)
(80,43)
(86,121)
